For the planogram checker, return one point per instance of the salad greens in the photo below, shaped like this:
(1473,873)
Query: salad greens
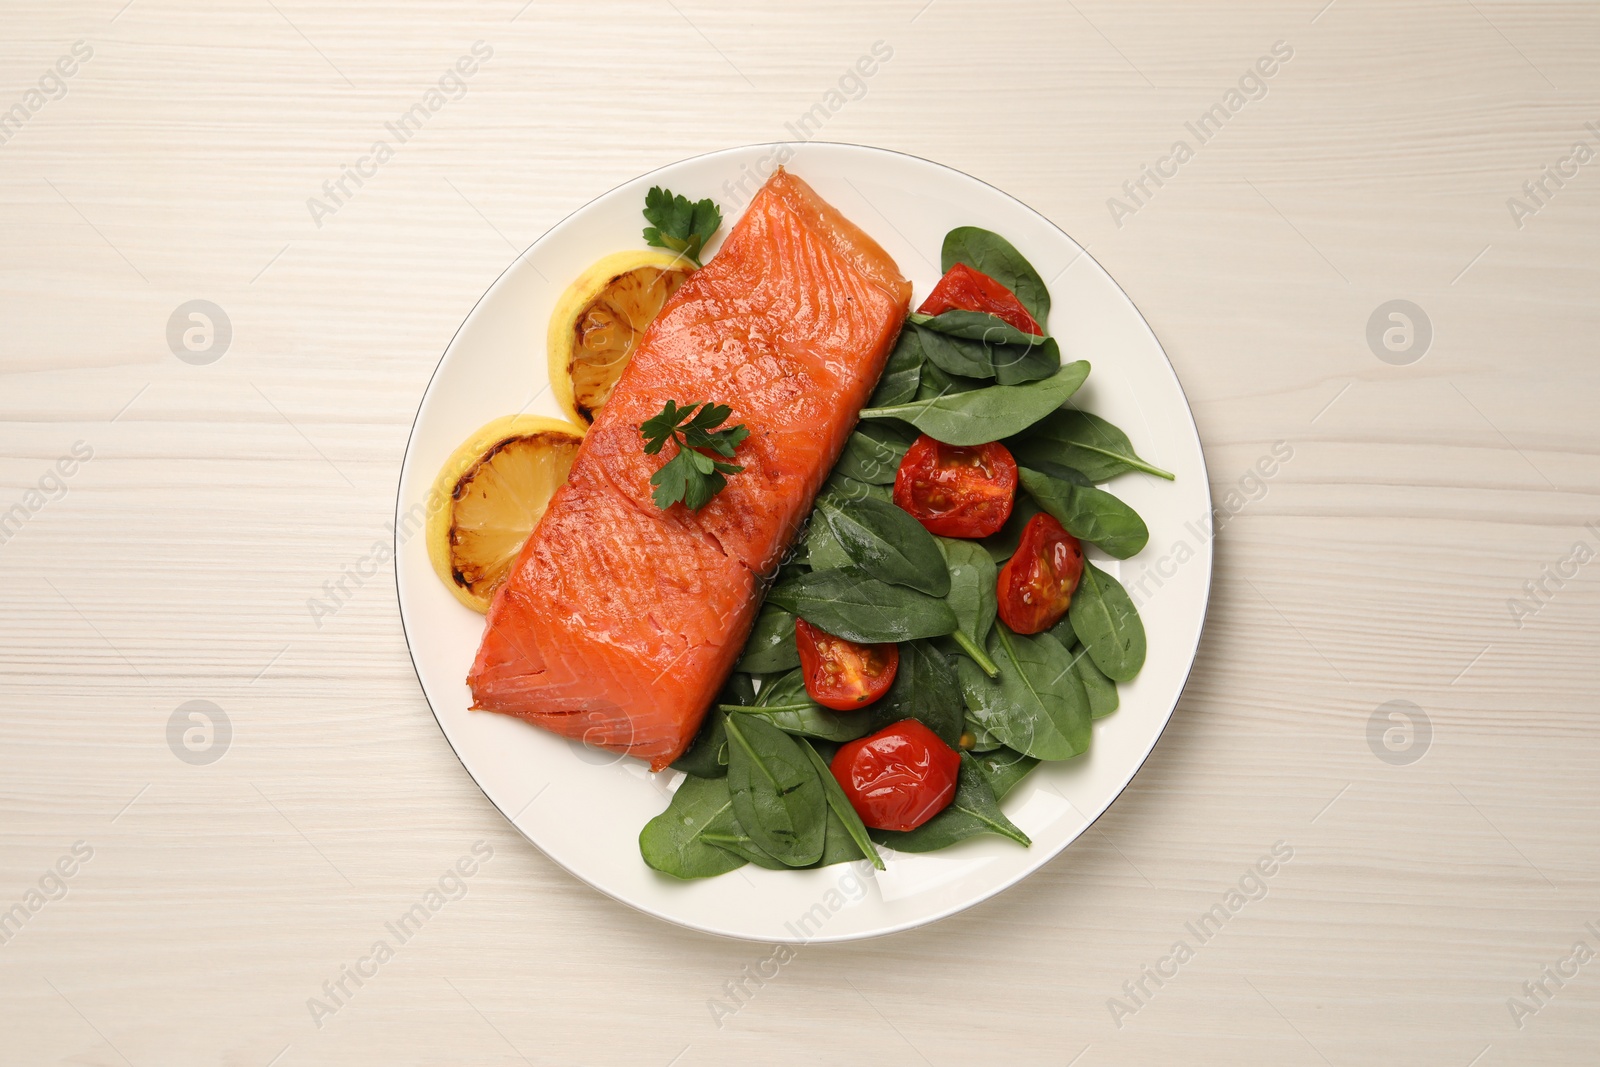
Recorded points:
(758,787)
(978,416)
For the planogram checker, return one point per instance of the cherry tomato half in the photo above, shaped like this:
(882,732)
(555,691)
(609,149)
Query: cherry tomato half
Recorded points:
(899,777)
(955,491)
(1036,584)
(841,674)
(965,289)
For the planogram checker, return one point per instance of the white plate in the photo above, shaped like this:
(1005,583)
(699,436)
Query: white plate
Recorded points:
(583,807)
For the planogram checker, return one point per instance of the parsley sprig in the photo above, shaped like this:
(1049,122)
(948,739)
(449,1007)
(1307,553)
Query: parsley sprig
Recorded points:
(692,476)
(679,224)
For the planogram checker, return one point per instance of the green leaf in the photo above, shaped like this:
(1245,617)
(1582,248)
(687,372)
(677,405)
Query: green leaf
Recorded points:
(706,755)
(902,374)
(1004,768)
(1037,705)
(991,254)
(822,550)
(785,704)
(1002,545)
(926,689)
(776,793)
(873,453)
(1105,620)
(974,359)
(1083,442)
(984,415)
(1014,365)
(771,646)
(857,607)
(982,739)
(839,805)
(690,475)
(973,811)
(1087,513)
(887,543)
(955,355)
(936,383)
(678,224)
(841,487)
(976,326)
(1102,691)
(671,842)
(729,836)
(972,598)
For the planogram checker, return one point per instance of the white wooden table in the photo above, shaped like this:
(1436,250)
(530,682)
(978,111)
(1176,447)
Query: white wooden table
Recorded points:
(1443,853)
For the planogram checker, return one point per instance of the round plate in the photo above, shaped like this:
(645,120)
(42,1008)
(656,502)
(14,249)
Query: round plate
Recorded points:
(583,807)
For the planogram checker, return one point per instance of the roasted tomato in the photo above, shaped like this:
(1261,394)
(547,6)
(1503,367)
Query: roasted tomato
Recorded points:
(841,674)
(965,289)
(954,491)
(899,777)
(1037,583)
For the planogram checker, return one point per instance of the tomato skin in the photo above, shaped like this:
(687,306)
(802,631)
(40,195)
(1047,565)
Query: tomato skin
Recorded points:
(955,491)
(899,777)
(965,289)
(841,674)
(1036,584)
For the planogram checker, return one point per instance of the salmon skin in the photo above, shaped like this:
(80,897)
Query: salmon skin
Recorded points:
(619,622)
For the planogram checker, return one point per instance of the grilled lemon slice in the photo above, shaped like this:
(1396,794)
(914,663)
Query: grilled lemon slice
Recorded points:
(598,321)
(495,488)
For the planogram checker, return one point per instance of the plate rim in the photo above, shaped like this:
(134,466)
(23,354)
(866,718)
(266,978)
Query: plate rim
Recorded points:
(909,924)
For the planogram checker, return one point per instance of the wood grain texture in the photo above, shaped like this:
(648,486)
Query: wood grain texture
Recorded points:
(1375,565)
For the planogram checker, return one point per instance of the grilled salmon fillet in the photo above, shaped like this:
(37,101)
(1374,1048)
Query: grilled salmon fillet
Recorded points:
(619,622)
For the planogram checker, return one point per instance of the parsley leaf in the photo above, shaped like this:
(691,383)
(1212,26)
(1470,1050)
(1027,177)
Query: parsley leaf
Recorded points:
(678,224)
(692,476)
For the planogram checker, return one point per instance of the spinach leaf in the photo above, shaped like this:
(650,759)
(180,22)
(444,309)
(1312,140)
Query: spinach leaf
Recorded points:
(1004,768)
(982,739)
(887,543)
(671,842)
(857,607)
(785,704)
(873,453)
(1009,364)
(822,550)
(991,254)
(726,833)
(1002,545)
(976,326)
(1083,442)
(983,415)
(972,598)
(972,811)
(775,790)
(1014,365)
(841,487)
(902,374)
(707,754)
(1105,620)
(936,382)
(1102,691)
(1037,705)
(1087,513)
(955,355)
(771,645)
(926,689)
(837,844)
(840,808)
